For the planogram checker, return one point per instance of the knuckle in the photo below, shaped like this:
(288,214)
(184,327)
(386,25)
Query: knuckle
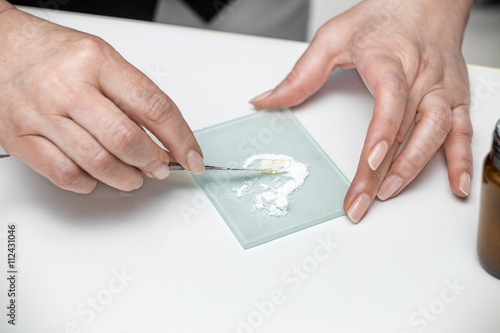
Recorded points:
(441,123)
(16,124)
(85,147)
(397,84)
(124,138)
(66,174)
(461,127)
(89,47)
(158,108)
(101,162)
(322,33)
(159,157)
(415,159)
(463,133)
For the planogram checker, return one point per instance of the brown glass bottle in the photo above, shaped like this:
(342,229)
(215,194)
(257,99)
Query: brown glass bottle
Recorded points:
(488,237)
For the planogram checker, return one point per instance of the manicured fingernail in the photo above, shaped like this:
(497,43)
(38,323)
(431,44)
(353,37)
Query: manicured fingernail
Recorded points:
(140,184)
(261,97)
(358,208)
(389,186)
(195,162)
(464,183)
(377,154)
(162,171)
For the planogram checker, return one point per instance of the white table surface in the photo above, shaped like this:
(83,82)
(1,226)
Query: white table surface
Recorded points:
(409,266)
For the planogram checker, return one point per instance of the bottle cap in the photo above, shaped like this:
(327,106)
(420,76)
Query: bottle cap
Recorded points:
(496,138)
(495,149)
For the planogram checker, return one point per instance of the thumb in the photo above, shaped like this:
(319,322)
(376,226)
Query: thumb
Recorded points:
(308,75)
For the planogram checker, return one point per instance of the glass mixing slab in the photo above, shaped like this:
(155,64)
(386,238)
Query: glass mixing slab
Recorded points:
(229,144)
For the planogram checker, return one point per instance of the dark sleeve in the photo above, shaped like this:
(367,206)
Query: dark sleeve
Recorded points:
(133,9)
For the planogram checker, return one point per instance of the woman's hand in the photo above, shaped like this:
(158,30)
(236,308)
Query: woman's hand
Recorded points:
(72,108)
(408,54)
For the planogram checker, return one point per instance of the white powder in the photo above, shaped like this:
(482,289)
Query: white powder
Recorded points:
(271,192)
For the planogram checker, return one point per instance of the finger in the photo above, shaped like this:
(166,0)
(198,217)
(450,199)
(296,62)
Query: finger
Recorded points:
(365,185)
(457,147)
(366,182)
(146,104)
(385,77)
(432,126)
(309,73)
(119,135)
(90,155)
(392,117)
(48,160)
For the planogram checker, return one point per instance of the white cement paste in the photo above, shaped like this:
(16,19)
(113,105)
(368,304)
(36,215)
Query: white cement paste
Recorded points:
(272,191)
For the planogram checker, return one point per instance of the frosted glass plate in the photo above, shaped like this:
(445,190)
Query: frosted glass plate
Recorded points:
(275,132)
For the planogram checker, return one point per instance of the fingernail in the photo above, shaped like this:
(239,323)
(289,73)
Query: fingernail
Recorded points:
(140,184)
(162,171)
(195,162)
(377,154)
(261,97)
(389,186)
(464,183)
(358,208)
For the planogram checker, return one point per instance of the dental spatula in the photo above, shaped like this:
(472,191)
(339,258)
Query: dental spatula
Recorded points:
(178,167)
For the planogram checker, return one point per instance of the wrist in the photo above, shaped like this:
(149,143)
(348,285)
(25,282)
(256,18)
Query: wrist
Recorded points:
(448,16)
(453,8)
